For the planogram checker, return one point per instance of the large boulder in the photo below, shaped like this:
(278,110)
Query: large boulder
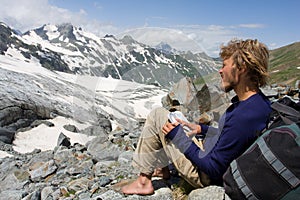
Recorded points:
(196,99)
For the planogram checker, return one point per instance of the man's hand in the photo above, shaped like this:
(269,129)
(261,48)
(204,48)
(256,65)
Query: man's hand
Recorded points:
(194,128)
(168,127)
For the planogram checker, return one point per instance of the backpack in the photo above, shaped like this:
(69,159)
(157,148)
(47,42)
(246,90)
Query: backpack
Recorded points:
(270,168)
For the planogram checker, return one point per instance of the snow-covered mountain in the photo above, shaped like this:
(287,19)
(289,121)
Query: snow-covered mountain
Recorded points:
(70,49)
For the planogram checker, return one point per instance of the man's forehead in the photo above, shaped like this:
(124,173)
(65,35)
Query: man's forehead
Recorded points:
(228,60)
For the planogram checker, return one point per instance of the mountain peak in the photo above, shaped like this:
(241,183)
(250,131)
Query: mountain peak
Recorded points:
(127,39)
(166,48)
(3,24)
(67,30)
(109,36)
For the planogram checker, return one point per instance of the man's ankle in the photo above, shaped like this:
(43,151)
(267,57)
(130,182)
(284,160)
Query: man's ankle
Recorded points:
(145,177)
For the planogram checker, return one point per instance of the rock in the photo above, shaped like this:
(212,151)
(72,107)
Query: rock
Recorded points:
(12,194)
(83,168)
(6,147)
(46,193)
(100,168)
(7,136)
(207,193)
(125,157)
(11,182)
(105,124)
(195,99)
(71,128)
(94,131)
(104,180)
(63,140)
(15,115)
(108,196)
(38,156)
(63,156)
(81,184)
(102,150)
(41,170)
(34,195)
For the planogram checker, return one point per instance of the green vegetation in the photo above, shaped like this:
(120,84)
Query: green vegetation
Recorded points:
(285,64)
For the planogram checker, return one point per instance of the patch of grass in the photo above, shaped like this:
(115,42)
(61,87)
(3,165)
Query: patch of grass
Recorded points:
(181,190)
(285,61)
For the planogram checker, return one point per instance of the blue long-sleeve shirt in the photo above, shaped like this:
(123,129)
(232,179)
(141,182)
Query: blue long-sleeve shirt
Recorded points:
(238,129)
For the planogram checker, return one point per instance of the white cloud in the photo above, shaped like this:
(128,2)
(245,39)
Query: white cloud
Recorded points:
(251,25)
(82,12)
(197,38)
(24,15)
(97,5)
(215,28)
(154,35)
(28,14)
(273,46)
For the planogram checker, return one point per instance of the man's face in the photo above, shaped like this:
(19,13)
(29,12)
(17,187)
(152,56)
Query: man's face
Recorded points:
(229,75)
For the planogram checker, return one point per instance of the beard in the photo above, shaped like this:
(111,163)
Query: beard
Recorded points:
(228,84)
(227,87)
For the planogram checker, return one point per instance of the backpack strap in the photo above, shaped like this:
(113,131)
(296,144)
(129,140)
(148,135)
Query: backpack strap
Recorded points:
(285,109)
(241,182)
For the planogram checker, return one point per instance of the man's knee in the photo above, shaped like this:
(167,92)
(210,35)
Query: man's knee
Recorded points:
(157,113)
(159,110)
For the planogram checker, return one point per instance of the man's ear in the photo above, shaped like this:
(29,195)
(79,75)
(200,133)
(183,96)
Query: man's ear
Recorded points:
(242,68)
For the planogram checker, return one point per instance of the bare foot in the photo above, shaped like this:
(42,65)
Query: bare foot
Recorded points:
(142,185)
(162,172)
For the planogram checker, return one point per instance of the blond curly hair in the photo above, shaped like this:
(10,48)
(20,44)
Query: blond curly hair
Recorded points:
(249,54)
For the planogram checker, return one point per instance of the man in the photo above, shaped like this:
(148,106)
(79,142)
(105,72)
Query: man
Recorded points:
(244,70)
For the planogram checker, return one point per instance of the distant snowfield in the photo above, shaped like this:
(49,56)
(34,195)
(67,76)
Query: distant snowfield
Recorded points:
(45,138)
(123,97)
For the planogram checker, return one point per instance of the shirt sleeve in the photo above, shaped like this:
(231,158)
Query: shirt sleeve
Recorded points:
(204,129)
(215,162)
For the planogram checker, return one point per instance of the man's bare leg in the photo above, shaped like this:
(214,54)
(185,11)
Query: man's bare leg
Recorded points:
(142,185)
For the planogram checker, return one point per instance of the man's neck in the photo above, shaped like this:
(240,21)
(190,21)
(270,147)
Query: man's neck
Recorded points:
(244,93)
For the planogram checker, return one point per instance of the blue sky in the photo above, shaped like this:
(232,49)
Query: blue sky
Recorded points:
(208,23)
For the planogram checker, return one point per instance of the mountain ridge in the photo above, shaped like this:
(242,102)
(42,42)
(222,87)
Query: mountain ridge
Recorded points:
(285,64)
(80,52)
